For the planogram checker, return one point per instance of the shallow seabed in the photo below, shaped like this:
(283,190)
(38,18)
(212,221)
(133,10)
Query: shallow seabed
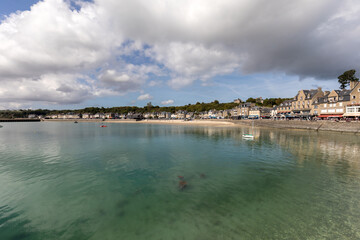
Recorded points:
(80,181)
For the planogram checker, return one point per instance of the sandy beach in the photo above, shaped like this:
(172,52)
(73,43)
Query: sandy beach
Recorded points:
(213,123)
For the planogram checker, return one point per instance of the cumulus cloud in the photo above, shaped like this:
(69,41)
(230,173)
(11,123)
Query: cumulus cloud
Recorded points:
(56,53)
(197,40)
(167,102)
(52,38)
(50,88)
(129,78)
(145,96)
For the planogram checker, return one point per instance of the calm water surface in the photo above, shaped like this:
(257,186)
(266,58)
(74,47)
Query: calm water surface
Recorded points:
(80,181)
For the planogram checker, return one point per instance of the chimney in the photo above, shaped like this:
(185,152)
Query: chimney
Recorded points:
(352,84)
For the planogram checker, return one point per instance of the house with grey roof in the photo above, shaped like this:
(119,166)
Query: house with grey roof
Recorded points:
(302,105)
(332,104)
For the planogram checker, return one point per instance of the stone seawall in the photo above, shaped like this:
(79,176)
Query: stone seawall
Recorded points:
(351,127)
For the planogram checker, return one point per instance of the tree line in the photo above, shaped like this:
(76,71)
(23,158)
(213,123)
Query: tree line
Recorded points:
(197,107)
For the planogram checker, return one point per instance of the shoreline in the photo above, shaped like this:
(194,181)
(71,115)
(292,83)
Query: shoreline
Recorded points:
(213,123)
(341,127)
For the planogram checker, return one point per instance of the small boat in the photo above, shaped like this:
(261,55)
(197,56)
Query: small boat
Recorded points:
(249,136)
(103,126)
(76,122)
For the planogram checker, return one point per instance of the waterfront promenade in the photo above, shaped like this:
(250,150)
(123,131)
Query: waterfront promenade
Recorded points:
(324,125)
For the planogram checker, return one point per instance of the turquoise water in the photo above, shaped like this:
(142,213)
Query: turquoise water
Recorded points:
(80,181)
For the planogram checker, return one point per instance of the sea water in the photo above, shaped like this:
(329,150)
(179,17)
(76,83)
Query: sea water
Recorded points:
(80,181)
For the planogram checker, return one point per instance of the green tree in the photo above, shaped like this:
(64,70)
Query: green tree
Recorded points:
(346,78)
(252,100)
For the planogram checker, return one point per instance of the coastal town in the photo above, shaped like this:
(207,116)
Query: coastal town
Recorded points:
(312,104)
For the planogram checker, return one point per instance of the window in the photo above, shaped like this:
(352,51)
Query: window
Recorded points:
(325,105)
(358,89)
(353,97)
(340,104)
(349,109)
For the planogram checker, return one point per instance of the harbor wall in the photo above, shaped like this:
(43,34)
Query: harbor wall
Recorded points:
(351,127)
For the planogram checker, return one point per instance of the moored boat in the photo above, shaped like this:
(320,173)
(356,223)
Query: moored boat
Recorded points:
(248,136)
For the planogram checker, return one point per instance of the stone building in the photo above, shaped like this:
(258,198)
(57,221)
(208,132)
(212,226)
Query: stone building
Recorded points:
(302,105)
(333,104)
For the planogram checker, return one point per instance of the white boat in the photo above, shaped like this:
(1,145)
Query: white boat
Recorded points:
(249,136)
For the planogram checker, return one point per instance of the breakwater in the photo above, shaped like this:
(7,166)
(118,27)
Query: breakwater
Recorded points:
(19,120)
(350,127)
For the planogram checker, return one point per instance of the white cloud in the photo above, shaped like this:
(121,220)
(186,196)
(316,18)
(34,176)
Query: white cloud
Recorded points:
(145,97)
(167,102)
(52,38)
(129,77)
(122,82)
(190,62)
(154,83)
(50,88)
(57,54)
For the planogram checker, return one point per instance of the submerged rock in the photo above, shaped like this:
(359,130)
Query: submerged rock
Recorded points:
(102,212)
(122,203)
(182,184)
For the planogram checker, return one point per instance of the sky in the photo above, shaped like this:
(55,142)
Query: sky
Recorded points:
(71,54)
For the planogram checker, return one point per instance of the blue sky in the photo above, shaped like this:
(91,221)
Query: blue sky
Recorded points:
(75,54)
(10,6)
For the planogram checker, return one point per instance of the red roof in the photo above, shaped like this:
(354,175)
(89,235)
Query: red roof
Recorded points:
(334,115)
